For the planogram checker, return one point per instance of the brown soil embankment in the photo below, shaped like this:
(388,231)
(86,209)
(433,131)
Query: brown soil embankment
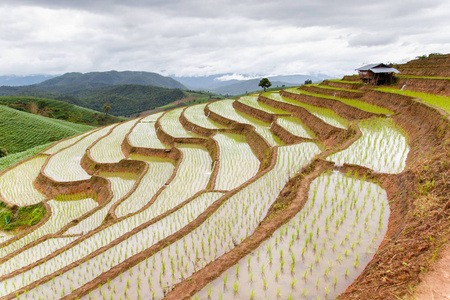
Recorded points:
(132,261)
(394,102)
(322,130)
(331,92)
(259,145)
(277,216)
(257,113)
(426,72)
(342,85)
(425,85)
(340,108)
(190,126)
(433,65)
(286,136)
(354,78)
(419,222)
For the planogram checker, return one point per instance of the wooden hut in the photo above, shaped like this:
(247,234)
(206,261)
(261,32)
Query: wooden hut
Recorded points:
(376,74)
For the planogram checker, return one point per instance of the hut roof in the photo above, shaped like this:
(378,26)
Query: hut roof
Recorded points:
(378,68)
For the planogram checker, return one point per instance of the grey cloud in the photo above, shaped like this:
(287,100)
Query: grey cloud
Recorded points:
(196,37)
(370,39)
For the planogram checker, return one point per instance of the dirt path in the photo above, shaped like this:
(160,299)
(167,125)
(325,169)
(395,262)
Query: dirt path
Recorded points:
(435,284)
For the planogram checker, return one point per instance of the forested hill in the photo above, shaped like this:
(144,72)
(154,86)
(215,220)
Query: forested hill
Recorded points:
(68,82)
(128,92)
(125,100)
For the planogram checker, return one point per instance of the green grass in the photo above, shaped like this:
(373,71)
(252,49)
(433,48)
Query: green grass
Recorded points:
(335,88)
(443,102)
(20,131)
(421,77)
(344,81)
(355,103)
(9,160)
(59,110)
(12,218)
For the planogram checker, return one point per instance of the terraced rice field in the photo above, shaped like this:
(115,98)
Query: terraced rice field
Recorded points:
(133,225)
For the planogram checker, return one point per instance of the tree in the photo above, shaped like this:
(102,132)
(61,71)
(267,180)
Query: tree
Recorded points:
(106,107)
(265,83)
(3,152)
(308,81)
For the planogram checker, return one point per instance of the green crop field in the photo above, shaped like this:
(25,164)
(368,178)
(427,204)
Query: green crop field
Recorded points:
(151,207)
(443,102)
(20,131)
(59,110)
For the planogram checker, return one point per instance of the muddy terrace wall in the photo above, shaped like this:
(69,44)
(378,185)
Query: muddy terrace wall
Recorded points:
(321,129)
(425,85)
(344,110)
(257,113)
(189,126)
(407,247)
(354,78)
(259,145)
(342,85)
(435,72)
(286,136)
(330,92)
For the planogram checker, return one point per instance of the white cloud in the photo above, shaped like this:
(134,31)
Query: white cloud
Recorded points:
(188,38)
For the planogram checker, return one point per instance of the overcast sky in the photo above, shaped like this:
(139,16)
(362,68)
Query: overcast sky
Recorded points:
(199,37)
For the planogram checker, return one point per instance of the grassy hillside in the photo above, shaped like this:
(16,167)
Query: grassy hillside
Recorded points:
(125,100)
(20,131)
(11,159)
(59,110)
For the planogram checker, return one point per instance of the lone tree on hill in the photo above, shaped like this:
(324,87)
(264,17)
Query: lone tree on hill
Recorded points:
(265,83)
(3,152)
(106,107)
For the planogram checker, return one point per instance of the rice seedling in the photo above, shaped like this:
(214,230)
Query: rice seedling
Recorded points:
(144,136)
(108,149)
(383,147)
(22,192)
(196,115)
(159,171)
(325,114)
(252,100)
(65,165)
(225,109)
(66,143)
(314,269)
(115,254)
(238,163)
(171,125)
(295,126)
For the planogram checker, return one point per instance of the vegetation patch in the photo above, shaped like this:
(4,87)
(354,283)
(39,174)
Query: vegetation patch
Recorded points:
(12,218)
(443,102)
(234,199)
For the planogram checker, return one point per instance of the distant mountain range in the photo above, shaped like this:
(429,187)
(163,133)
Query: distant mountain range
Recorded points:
(217,84)
(14,80)
(102,79)
(132,92)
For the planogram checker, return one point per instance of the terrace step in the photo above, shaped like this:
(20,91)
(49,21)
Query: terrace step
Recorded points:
(332,92)
(354,78)
(342,84)
(344,110)
(426,72)
(425,85)
(321,129)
